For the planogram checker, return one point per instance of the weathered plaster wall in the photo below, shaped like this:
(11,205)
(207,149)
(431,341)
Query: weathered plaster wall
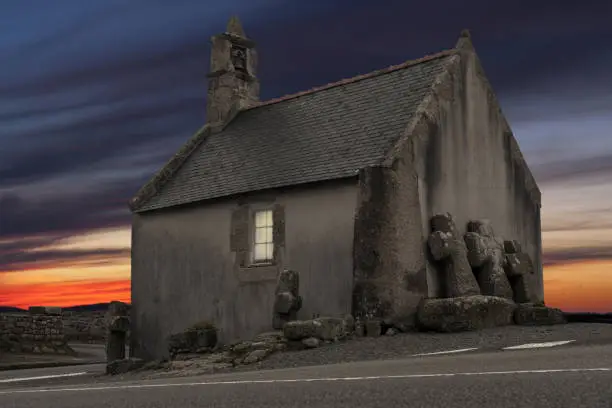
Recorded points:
(468,164)
(32,333)
(184,269)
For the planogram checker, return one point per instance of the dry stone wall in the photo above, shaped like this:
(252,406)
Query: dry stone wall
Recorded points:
(85,327)
(30,333)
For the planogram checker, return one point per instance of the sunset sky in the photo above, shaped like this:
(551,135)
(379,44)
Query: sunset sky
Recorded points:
(96,95)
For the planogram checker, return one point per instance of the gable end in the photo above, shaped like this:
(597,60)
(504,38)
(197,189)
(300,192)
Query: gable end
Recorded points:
(465,46)
(427,110)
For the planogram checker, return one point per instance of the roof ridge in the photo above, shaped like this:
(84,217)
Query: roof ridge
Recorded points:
(357,78)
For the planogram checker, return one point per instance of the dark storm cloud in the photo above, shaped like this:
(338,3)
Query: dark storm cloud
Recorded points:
(570,169)
(66,214)
(569,255)
(16,261)
(83,143)
(117,86)
(117,71)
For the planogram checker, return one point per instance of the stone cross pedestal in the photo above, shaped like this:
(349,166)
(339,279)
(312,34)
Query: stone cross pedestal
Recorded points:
(118,324)
(486,252)
(519,270)
(446,246)
(288,300)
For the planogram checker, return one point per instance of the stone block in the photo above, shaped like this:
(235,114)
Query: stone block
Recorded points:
(301,329)
(532,315)
(349,322)
(323,328)
(311,342)
(45,310)
(193,340)
(256,356)
(359,328)
(391,331)
(332,328)
(464,313)
(36,310)
(373,327)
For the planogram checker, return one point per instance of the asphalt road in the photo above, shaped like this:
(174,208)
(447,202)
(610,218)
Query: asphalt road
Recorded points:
(91,351)
(569,376)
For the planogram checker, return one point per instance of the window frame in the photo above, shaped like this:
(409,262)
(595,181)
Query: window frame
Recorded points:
(268,243)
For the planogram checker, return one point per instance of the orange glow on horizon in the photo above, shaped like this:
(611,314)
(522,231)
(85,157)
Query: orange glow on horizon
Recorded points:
(65,293)
(581,286)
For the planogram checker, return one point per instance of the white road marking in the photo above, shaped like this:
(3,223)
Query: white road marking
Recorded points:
(42,377)
(445,352)
(538,345)
(306,380)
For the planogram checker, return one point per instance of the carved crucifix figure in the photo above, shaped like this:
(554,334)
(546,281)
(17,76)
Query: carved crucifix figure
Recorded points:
(519,270)
(486,252)
(447,246)
(288,300)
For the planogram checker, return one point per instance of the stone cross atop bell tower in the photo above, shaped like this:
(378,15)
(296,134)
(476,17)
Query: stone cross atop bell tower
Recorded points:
(232,84)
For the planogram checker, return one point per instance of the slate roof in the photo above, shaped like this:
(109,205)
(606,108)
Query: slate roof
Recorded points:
(322,134)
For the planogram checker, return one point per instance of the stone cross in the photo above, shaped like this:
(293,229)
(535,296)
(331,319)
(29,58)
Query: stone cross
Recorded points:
(519,270)
(288,300)
(118,324)
(446,246)
(486,252)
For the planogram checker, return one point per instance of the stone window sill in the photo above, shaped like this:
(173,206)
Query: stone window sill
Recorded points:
(258,272)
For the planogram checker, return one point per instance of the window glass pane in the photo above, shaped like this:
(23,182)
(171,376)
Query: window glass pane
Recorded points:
(269,249)
(268,234)
(260,252)
(260,218)
(263,218)
(261,235)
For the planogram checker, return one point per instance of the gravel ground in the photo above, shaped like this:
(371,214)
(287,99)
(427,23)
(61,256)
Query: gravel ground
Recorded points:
(406,345)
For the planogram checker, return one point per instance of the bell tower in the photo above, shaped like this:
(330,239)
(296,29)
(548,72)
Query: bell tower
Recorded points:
(232,83)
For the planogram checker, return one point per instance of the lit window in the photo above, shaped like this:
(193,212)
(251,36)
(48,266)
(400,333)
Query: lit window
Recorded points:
(263,243)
